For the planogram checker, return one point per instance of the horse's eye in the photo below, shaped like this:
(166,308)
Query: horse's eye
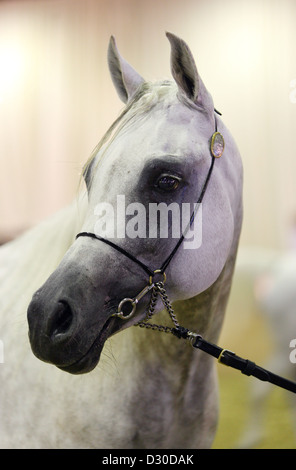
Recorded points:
(168,182)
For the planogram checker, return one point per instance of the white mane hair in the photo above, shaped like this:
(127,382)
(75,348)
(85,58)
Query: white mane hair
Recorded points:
(148,96)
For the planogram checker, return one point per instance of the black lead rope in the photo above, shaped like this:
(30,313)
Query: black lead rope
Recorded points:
(224,356)
(230,359)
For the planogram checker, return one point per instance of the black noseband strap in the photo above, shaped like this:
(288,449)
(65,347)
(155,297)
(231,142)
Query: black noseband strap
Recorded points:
(118,248)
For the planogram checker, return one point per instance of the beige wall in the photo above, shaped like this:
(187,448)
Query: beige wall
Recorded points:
(56,97)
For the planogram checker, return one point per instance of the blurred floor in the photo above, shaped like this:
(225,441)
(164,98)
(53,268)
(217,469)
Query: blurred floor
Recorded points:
(246,333)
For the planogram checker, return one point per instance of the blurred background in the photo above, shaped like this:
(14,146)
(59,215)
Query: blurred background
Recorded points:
(57,100)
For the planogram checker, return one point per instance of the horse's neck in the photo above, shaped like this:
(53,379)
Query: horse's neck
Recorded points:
(163,377)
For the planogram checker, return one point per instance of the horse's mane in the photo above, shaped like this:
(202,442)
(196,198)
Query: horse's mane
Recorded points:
(147,97)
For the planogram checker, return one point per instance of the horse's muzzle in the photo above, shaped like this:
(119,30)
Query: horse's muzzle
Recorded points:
(69,321)
(59,336)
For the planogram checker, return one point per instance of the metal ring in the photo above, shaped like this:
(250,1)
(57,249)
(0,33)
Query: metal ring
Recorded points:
(192,337)
(157,271)
(120,313)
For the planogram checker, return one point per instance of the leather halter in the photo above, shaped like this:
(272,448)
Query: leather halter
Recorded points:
(167,261)
(224,356)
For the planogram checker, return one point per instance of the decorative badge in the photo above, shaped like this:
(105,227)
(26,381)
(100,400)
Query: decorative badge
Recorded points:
(217,145)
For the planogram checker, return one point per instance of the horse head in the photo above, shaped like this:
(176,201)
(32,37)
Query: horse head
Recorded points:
(157,154)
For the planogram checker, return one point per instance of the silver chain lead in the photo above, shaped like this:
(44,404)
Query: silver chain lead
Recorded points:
(159,290)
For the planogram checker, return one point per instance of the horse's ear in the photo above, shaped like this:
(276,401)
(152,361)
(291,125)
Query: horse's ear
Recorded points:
(125,79)
(186,75)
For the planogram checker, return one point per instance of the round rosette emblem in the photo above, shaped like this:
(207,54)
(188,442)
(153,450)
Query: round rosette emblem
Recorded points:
(217,145)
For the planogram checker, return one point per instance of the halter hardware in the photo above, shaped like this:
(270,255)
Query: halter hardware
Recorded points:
(157,271)
(133,302)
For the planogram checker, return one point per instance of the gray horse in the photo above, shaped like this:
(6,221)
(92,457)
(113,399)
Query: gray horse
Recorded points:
(150,390)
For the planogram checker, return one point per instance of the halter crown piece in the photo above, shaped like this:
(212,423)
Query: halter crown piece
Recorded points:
(127,307)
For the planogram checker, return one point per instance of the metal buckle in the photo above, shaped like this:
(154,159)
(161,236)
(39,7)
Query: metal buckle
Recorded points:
(221,356)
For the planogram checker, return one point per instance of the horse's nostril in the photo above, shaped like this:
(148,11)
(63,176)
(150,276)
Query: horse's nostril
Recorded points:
(62,319)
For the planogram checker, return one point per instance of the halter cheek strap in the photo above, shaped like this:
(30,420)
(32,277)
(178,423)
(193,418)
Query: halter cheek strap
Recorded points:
(165,264)
(216,148)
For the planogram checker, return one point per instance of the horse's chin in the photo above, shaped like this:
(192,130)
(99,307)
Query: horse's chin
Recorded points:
(90,360)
